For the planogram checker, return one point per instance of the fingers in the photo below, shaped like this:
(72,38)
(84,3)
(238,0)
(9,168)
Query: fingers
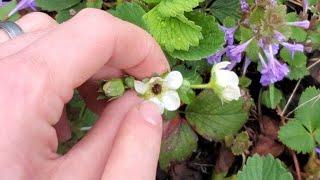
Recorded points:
(34,26)
(93,150)
(136,148)
(80,47)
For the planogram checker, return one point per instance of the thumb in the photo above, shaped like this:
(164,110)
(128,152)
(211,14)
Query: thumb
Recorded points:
(136,149)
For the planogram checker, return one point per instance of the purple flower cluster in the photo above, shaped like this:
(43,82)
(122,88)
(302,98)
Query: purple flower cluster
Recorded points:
(272,71)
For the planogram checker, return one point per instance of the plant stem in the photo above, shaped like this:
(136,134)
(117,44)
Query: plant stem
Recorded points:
(296,164)
(290,99)
(200,86)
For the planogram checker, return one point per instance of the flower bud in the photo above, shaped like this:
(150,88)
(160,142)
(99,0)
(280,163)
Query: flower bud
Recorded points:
(114,88)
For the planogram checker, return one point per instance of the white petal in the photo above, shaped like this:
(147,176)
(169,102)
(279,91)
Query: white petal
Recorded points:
(140,87)
(158,103)
(171,100)
(221,65)
(226,78)
(174,80)
(231,93)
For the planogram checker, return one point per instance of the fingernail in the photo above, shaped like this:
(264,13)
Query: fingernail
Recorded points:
(150,113)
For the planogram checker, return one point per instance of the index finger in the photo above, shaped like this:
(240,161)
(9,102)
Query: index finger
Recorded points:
(77,49)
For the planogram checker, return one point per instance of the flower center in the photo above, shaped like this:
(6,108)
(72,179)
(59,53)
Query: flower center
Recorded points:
(156,89)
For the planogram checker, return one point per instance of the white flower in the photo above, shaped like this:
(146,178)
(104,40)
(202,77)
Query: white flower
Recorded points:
(224,82)
(162,91)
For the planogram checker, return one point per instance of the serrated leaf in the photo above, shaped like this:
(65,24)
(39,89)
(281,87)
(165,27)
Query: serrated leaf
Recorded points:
(94,4)
(178,144)
(186,93)
(214,120)
(264,168)
(173,8)
(297,137)
(271,99)
(302,133)
(297,73)
(5,10)
(222,9)
(173,33)
(56,5)
(212,41)
(297,64)
(67,14)
(241,143)
(130,12)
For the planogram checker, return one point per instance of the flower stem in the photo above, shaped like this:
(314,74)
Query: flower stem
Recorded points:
(200,86)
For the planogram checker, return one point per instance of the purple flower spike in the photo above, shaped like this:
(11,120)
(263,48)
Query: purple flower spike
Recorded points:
(216,58)
(303,24)
(293,47)
(265,46)
(273,71)
(234,53)
(22,5)
(244,6)
(229,34)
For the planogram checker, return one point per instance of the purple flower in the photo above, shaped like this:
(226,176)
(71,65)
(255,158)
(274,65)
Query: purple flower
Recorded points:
(303,24)
(272,71)
(22,5)
(244,6)
(265,45)
(305,6)
(234,53)
(293,47)
(317,151)
(216,58)
(279,36)
(229,34)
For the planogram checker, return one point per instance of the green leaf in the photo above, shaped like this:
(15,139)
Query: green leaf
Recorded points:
(297,64)
(271,98)
(173,8)
(213,38)
(152,1)
(173,33)
(5,10)
(222,9)
(295,135)
(298,34)
(214,120)
(241,143)
(257,15)
(56,5)
(94,4)
(67,14)
(186,93)
(253,48)
(264,168)
(302,133)
(130,12)
(178,144)
(190,75)
(244,82)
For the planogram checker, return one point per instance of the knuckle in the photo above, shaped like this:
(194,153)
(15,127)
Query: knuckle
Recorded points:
(42,19)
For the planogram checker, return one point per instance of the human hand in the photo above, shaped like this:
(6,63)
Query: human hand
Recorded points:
(39,71)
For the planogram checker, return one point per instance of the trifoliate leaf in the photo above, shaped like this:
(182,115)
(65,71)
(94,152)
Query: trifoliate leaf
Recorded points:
(5,10)
(213,119)
(178,144)
(94,4)
(56,5)
(302,133)
(271,97)
(67,14)
(264,168)
(173,33)
(173,8)
(213,38)
(130,12)
(222,9)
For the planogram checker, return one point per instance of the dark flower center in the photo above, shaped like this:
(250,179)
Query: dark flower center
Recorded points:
(156,89)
